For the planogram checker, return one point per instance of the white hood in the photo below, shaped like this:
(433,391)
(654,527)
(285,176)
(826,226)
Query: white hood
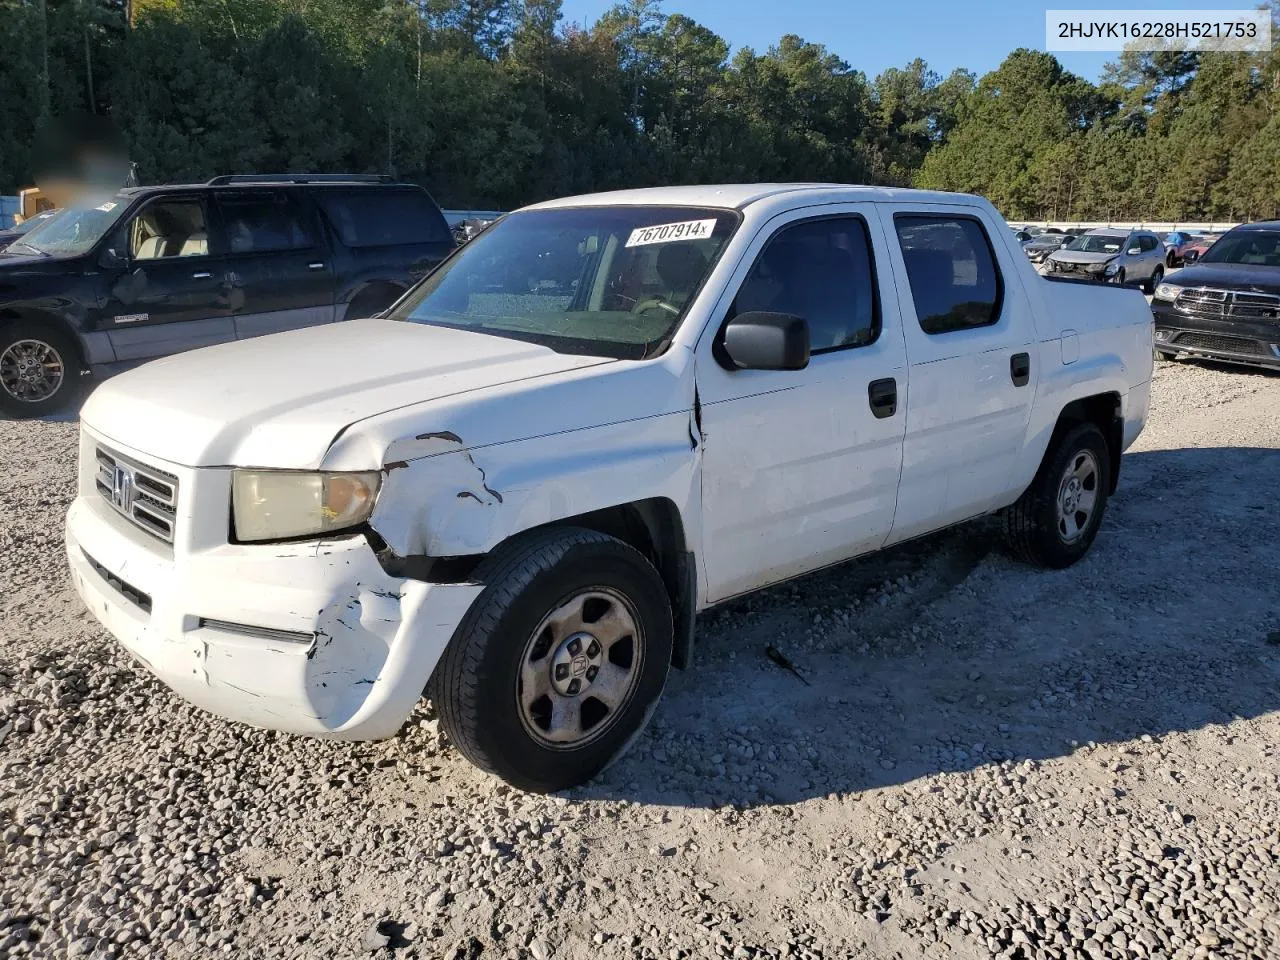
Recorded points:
(279,401)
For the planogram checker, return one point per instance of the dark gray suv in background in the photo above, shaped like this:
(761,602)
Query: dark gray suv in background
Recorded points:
(150,271)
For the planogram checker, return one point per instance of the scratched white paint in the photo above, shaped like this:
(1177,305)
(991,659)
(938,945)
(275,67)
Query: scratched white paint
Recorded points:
(479,438)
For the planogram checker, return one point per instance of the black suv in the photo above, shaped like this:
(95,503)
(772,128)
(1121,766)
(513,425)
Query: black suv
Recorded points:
(1226,305)
(150,271)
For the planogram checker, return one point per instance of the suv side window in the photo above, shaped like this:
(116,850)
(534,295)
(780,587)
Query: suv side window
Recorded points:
(261,221)
(821,270)
(378,217)
(951,268)
(1147,243)
(169,228)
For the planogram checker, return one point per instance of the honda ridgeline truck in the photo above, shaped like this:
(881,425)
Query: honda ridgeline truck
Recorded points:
(517,487)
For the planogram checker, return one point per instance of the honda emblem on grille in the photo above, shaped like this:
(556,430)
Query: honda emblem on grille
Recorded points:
(122,487)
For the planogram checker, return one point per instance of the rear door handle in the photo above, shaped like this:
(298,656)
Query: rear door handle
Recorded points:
(1020,369)
(883,397)
(317,265)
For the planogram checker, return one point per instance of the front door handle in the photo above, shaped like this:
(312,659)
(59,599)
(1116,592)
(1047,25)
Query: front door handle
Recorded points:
(883,397)
(202,275)
(316,265)
(1020,369)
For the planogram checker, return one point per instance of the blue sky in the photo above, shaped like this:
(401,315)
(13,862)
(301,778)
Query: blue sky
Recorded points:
(871,36)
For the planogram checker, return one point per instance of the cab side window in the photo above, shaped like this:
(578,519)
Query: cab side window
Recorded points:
(169,229)
(951,269)
(821,270)
(263,221)
(1147,243)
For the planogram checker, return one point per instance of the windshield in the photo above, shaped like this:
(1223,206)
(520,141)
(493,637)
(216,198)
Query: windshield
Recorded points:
(73,231)
(601,281)
(26,226)
(1095,243)
(1259,248)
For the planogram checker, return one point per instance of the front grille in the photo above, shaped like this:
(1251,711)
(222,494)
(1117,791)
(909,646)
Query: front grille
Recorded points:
(1209,341)
(146,495)
(1228,304)
(122,587)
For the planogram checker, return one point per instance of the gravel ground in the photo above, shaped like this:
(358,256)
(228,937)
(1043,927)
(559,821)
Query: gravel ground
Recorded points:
(989,760)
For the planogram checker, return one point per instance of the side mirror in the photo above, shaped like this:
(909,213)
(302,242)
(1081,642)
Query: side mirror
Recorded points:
(767,341)
(1191,256)
(110,260)
(1134,251)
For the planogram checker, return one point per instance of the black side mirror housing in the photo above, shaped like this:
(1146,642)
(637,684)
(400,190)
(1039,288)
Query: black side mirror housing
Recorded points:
(1191,256)
(110,260)
(767,341)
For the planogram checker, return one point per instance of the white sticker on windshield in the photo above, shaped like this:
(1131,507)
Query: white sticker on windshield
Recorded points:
(669,232)
(107,207)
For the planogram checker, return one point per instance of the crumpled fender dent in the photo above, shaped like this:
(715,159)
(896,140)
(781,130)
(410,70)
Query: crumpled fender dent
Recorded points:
(441,499)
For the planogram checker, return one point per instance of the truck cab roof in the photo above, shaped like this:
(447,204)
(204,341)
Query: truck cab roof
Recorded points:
(739,196)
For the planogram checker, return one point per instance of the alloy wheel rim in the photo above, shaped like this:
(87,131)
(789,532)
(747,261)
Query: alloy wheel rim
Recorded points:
(1077,496)
(31,370)
(580,668)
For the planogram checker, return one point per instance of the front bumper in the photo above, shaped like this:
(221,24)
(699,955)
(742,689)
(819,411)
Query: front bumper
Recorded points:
(312,638)
(1075,271)
(1255,344)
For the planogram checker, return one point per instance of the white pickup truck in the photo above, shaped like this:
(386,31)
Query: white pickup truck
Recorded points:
(514,489)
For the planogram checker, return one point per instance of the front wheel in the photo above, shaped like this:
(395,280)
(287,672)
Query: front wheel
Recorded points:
(1054,523)
(38,369)
(1171,260)
(559,663)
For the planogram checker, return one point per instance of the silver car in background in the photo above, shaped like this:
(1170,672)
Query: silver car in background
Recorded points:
(1111,256)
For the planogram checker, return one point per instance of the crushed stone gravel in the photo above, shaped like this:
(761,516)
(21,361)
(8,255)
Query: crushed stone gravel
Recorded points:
(987,760)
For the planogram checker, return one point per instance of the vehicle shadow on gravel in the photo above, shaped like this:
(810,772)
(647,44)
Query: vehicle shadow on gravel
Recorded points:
(945,655)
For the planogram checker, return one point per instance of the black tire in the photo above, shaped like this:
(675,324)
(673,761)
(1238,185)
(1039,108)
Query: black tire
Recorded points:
(1119,277)
(1033,525)
(62,346)
(1165,355)
(371,300)
(475,687)
(1171,260)
(1156,276)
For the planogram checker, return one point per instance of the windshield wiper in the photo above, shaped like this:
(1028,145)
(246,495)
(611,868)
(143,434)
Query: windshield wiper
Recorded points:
(23,243)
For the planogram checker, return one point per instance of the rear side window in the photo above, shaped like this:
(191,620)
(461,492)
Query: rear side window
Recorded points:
(820,270)
(952,272)
(380,217)
(261,221)
(1147,243)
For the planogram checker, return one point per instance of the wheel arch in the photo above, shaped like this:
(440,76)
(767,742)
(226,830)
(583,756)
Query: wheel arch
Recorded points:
(653,527)
(1104,410)
(18,314)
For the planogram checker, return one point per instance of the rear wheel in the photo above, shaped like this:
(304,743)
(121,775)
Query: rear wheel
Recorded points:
(1156,276)
(1171,260)
(1054,523)
(371,300)
(39,368)
(559,663)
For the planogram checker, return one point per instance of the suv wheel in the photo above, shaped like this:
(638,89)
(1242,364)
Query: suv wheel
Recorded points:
(559,663)
(39,367)
(1171,259)
(1055,521)
(1156,276)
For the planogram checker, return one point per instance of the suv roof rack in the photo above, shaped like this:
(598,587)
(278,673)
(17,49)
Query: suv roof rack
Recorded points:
(301,178)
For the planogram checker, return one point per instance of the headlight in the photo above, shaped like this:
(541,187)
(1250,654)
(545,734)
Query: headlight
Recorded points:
(1167,291)
(282,504)
(1111,268)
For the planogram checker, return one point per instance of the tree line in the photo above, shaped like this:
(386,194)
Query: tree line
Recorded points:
(497,103)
